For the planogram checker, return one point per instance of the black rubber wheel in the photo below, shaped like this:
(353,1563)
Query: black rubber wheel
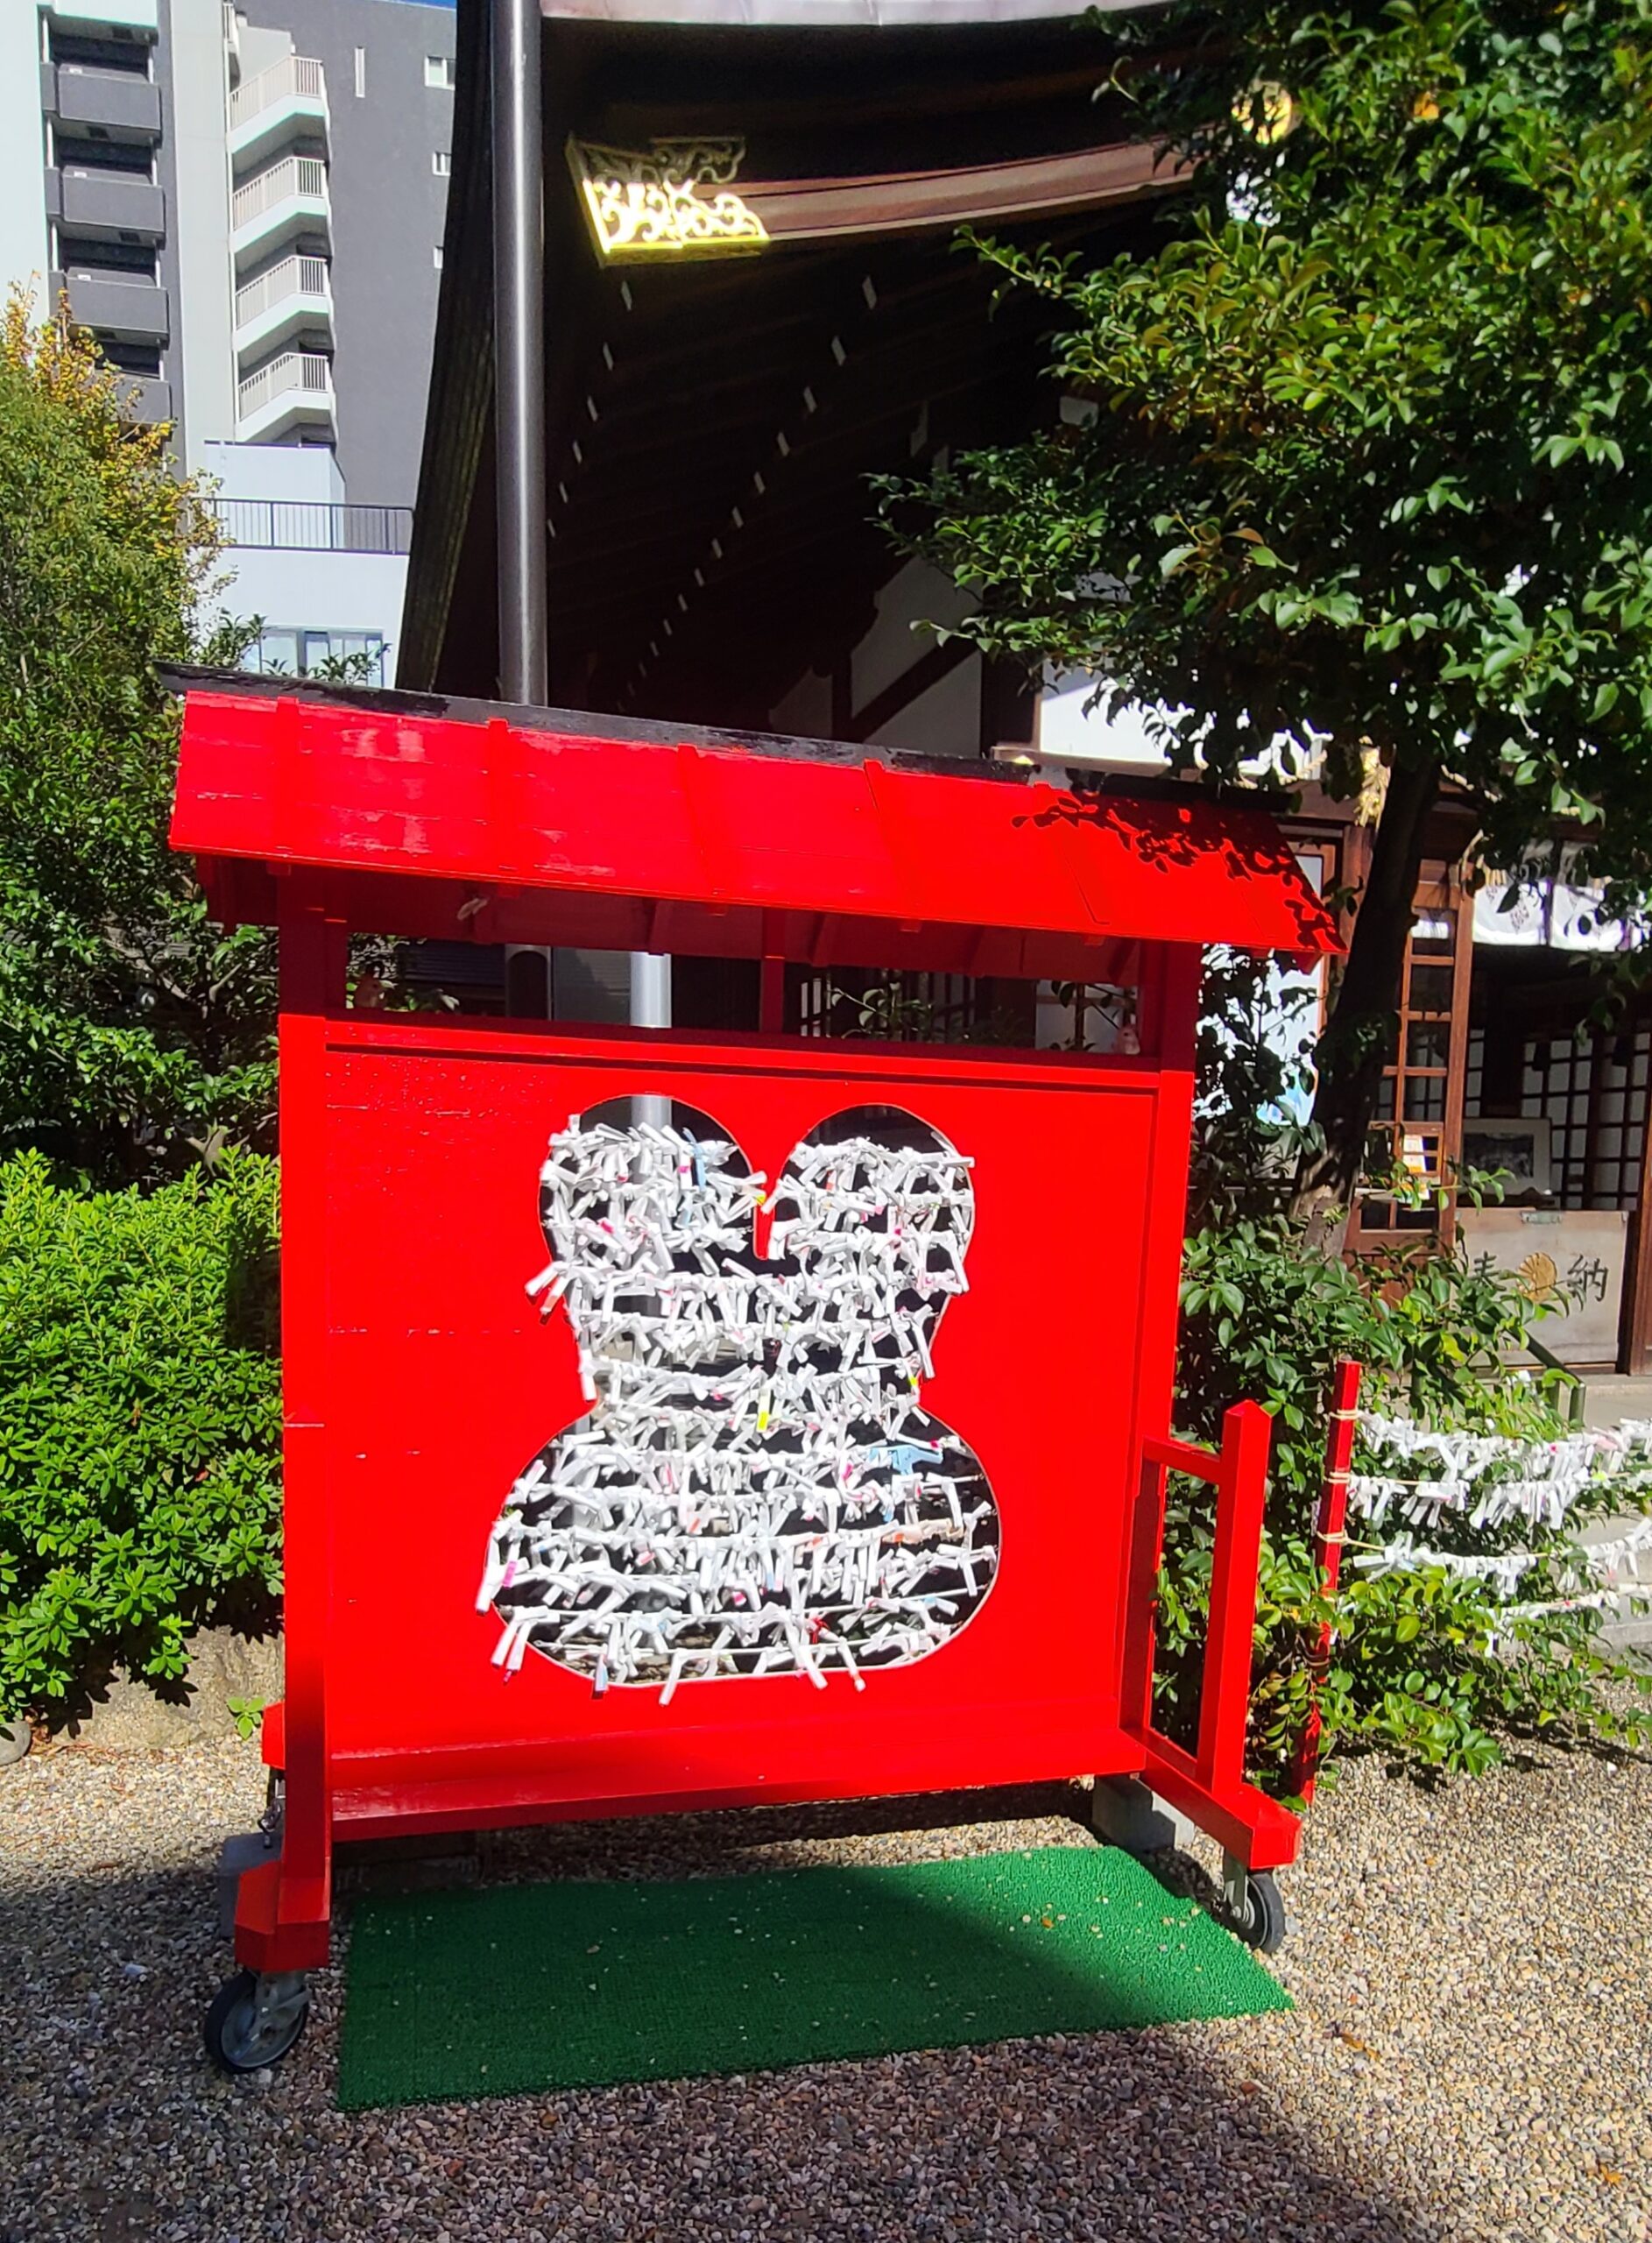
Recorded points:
(1262,1922)
(237,2039)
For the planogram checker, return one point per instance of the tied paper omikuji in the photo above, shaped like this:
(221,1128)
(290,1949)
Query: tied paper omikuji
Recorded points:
(755,1488)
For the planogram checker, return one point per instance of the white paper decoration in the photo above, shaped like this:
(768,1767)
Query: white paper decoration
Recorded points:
(756,1489)
(1491,1480)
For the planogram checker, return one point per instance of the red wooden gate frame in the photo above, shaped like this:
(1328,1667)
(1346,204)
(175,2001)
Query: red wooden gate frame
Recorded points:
(1207,1785)
(284,1907)
(331,815)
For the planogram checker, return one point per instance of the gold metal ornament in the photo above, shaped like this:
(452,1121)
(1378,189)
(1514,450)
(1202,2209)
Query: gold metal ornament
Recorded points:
(642,205)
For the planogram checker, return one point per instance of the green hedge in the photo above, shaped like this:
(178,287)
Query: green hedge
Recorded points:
(139,1424)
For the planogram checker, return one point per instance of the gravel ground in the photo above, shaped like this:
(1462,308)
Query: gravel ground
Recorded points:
(1471,2057)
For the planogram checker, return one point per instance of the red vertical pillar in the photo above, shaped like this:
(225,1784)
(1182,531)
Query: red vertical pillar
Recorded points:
(1241,1493)
(1166,1018)
(312,963)
(1328,1540)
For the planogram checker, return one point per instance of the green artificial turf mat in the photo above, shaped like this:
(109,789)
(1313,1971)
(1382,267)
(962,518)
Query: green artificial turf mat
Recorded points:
(514,1987)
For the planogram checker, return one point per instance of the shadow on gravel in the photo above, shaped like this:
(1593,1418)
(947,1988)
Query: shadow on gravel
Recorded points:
(116,2129)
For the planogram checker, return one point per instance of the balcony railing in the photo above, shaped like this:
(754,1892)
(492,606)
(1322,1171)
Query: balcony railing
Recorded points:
(295,525)
(302,369)
(295,276)
(292,176)
(296,76)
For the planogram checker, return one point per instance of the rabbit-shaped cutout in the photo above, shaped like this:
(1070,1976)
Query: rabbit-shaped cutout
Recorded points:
(755,1488)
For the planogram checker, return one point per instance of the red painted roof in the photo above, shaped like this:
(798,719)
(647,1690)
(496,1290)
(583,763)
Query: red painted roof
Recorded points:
(430,824)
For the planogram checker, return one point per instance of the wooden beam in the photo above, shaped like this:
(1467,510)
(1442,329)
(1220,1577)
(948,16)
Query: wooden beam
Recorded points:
(1461,904)
(892,95)
(896,202)
(1635,1346)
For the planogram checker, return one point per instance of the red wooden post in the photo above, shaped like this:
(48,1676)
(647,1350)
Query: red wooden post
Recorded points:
(1327,1542)
(1138,1604)
(313,962)
(1241,1492)
(1167,1014)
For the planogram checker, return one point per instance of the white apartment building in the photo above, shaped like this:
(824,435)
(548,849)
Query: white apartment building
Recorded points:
(245,208)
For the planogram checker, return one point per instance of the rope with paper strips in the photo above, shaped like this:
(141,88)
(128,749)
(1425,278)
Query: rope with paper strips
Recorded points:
(755,1488)
(1478,1483)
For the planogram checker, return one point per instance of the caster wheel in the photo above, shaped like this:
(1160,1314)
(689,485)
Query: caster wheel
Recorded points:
(255,2019)
(1259,1918)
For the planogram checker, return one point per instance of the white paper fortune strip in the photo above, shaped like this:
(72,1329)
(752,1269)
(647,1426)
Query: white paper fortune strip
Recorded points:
(1488,1479)
(755,1488)
(1491,1476)
(1607,1561)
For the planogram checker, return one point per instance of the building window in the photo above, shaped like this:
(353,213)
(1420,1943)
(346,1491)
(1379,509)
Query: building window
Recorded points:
(131,260)
(142,358)
(361,72)
(73,152)
(439,72)
(441,162)
(346,657)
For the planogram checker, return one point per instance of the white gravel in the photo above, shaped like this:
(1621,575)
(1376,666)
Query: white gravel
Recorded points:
(1471,2057)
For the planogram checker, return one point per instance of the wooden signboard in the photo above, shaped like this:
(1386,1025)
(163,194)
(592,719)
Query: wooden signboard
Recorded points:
(1571,1258)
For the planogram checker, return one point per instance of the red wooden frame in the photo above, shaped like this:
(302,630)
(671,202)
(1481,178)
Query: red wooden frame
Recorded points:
(1208,1785)
(376,1744)
(1329,1534)
(420,1379)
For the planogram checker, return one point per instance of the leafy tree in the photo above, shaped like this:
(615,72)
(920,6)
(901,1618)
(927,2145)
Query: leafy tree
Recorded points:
(127,1024)
(1365,482)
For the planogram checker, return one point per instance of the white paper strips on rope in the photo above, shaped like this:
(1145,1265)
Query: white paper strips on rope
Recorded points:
(1491,1477)
(1612,1562)
(756,1489)
(1488,1481)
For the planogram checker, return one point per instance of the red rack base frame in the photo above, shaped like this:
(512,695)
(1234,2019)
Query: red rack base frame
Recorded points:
(421,1379)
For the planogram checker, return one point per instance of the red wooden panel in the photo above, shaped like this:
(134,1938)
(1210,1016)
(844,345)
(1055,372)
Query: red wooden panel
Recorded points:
(442,1383)
(384,792)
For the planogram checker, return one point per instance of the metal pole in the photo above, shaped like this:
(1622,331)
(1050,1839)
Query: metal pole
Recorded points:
(651,1007)
(518,348)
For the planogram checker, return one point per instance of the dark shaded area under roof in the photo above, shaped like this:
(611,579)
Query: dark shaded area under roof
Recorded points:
(711,424)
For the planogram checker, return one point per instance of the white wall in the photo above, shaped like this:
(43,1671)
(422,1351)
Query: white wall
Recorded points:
(916,595)
(95,16)
(807,710)
(320,591)
(197,129)
(307,473)
(945,719)
(1069,733)
(306,587)
(261,49)
(23,247)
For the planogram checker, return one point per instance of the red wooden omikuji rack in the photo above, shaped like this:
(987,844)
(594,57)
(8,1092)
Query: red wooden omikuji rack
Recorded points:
(422,1380)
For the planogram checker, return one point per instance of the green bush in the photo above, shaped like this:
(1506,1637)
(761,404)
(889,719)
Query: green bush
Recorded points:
(1427,1667)
(139,1424)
